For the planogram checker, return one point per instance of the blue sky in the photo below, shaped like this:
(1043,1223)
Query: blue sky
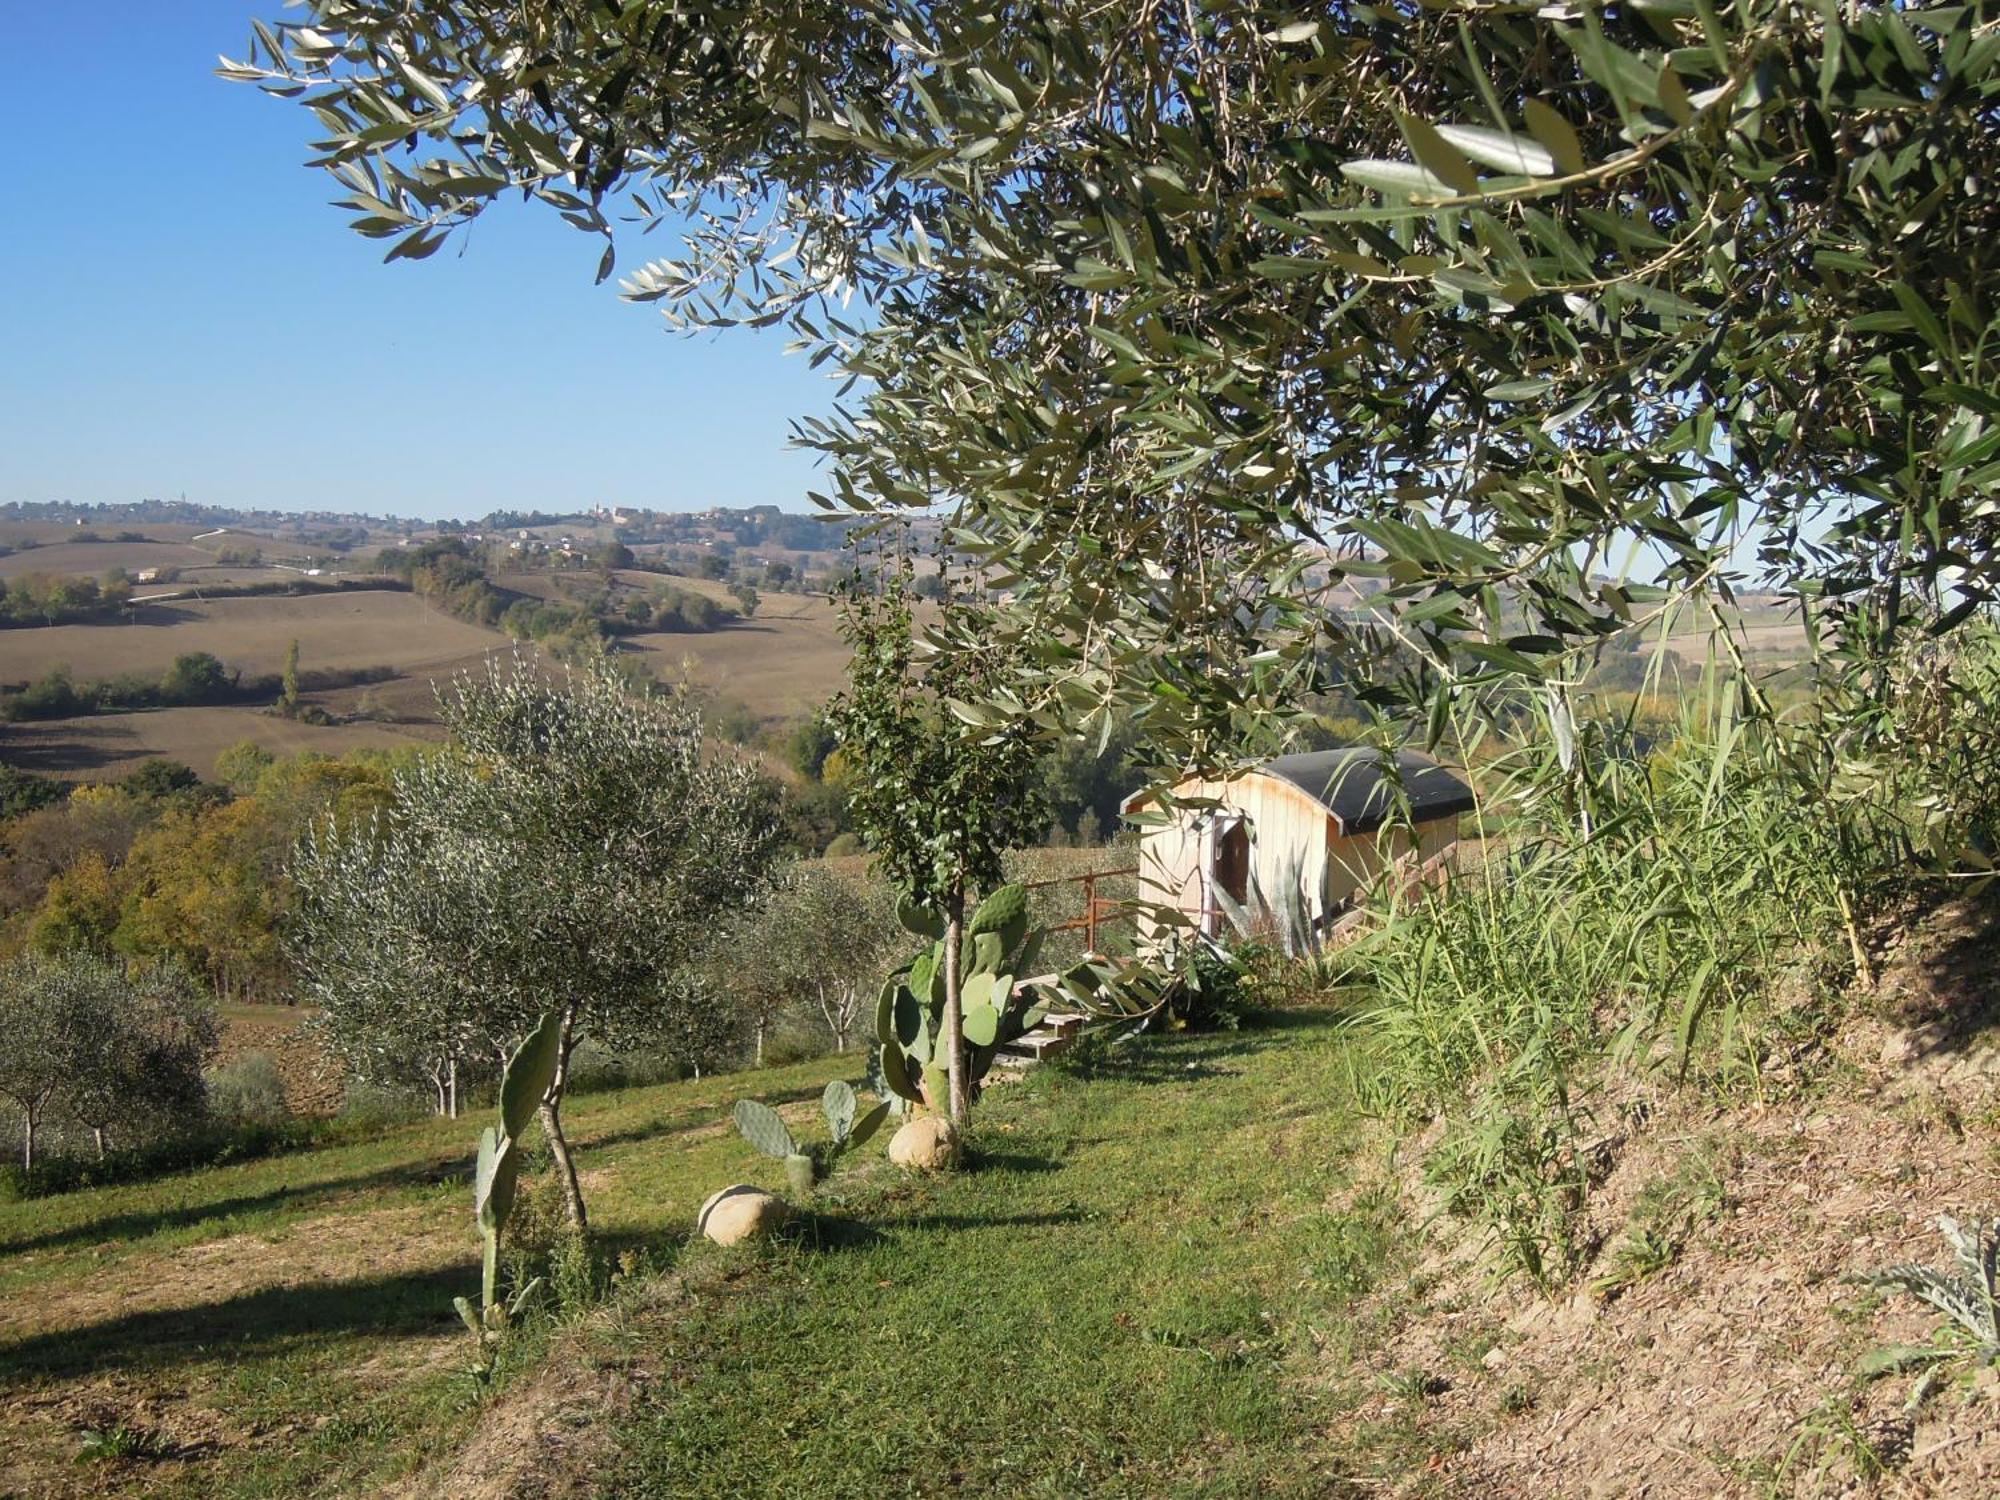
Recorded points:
(180,310)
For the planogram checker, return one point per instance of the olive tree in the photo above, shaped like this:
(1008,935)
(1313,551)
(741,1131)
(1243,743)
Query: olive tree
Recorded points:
(818,943)
(143,1075)
(50,1019)
(1246,342)
(81,1037)
(570,850)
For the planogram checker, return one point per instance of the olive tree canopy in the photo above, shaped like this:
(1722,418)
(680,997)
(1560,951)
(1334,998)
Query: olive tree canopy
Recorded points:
(571,850)
(1203,320)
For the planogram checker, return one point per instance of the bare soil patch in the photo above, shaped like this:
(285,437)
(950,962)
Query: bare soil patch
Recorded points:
(311,1075)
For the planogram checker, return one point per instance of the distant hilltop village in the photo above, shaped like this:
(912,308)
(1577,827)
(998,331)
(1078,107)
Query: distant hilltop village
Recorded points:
(751,526)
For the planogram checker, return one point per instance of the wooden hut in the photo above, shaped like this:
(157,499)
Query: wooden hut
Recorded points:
(1291,843)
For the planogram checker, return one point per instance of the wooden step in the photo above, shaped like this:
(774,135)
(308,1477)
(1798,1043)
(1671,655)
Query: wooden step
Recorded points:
(1036,1045)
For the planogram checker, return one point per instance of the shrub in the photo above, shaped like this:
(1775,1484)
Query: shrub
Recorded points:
(1212,987)
(795,1044)
(367,1107)
(1653,893)
(247,1090)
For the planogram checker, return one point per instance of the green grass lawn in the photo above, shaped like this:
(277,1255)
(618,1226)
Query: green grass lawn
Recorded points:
(1137,1290)
(1131,1294)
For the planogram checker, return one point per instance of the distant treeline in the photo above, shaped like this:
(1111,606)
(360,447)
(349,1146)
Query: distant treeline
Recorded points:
(448,574)
(195,679)
(29,544)
(292,587)
(56,599)
(37,599)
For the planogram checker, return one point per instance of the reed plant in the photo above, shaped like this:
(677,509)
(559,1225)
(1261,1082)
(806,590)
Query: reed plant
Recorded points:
(1645,883)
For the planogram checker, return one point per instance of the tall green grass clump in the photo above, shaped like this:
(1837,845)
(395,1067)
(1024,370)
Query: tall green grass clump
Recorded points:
(1642,889)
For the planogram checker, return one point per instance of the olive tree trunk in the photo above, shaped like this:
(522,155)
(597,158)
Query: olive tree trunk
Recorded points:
(551,1117)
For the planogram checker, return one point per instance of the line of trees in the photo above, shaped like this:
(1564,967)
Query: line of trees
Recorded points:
(195,679)
(449,574)
(62,598)
(162,867)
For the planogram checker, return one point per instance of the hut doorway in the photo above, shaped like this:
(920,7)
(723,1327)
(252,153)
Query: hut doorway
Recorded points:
(1228,870)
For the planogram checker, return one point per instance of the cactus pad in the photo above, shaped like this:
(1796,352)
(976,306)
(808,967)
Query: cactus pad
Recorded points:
(763,1129)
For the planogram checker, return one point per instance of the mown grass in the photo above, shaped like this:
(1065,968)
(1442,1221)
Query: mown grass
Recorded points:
(1132,1293)
(285,1324)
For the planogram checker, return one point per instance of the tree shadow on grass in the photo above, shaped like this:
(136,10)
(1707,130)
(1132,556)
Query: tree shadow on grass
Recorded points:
(1018,1163)
(680,1122)
(141,1223)
(255,1324)
(927,1222)
(832,1232)
(1195,1056)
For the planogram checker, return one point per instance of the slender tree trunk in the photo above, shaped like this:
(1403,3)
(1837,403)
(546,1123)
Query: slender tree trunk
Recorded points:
(34,1118)
(837,1015)
(97,1134)
(954,1014)
(551,1115)
(451,1086)
(760,1041)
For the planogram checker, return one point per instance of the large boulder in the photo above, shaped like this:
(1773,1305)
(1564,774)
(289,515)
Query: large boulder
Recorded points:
(741,1212)
(929,1143)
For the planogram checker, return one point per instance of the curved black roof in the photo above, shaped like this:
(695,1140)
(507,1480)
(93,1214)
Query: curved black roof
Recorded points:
(1361,787)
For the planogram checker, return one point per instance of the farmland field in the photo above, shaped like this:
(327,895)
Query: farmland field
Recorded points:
(363,628)
(784,661)
(780,664)
(95,558)
(336,632)
(102,747)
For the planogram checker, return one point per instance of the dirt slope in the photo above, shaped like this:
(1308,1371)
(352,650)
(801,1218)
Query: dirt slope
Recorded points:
(1731,1370)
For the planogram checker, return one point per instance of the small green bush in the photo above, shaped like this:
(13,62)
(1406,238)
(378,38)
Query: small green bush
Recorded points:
(367,1106)
(794,1044)
(247,1091)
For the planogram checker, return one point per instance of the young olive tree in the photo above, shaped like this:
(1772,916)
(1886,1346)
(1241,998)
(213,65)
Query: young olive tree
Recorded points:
(144,1075)
(569,851)
(817,944)
(938,802)
(50,1020)
(85,1039)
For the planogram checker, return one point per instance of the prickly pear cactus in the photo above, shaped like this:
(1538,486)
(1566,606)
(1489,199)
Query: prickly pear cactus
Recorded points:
(806,1166)
(523,1081)
(996,1009)
(762,1128)
(998,1006)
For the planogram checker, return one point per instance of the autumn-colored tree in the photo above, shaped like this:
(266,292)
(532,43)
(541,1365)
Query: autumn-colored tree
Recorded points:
(80,909)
